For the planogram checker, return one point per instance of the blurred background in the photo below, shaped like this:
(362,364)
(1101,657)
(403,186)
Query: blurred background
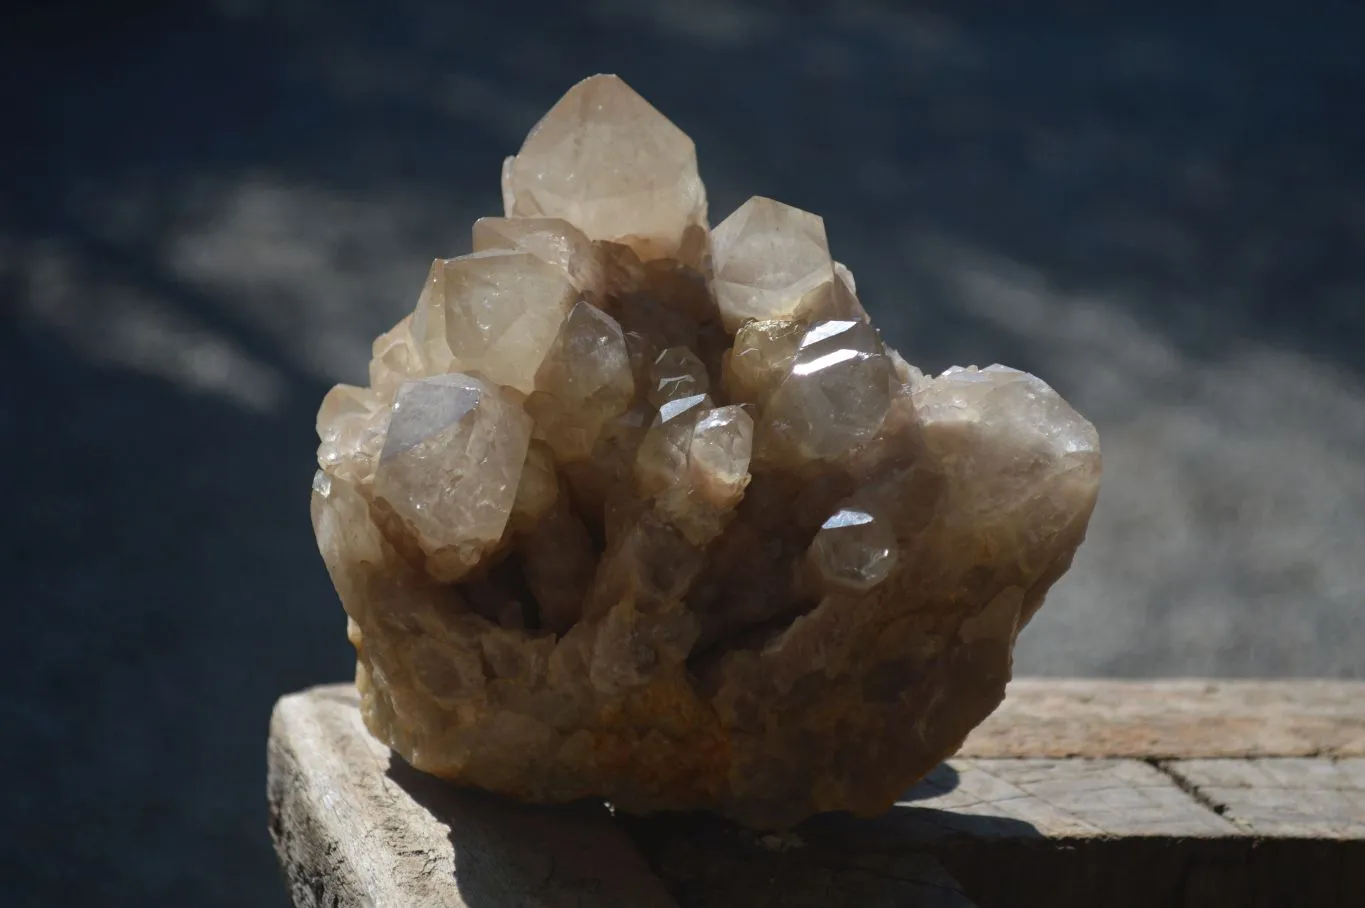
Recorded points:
(209,209)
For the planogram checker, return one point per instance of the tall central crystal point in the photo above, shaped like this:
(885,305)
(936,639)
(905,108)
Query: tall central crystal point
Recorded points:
(641,510)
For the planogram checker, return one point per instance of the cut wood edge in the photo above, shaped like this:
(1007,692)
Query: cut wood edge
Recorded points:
(1173,719)
(352,826)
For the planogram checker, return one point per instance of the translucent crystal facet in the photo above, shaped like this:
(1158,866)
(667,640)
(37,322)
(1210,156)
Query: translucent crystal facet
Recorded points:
(495,313)
(694,465)
(719,453)
(636,511)
(605,160)
(675,374)
(853,550)
(450,466)
(836,394)
(584,381)
(351,424)
(761,357)
(395,358)
(553,240)
(662,457)
(772,261)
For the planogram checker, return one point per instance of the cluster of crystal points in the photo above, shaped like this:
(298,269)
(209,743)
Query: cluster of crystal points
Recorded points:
(646,511)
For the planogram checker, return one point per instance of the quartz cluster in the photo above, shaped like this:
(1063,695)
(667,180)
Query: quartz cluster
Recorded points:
(638,509)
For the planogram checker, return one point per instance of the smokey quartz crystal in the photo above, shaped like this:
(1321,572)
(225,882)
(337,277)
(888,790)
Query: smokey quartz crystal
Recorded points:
(641,510)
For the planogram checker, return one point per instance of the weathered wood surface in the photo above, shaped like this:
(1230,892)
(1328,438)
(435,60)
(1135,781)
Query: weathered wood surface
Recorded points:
(1056,799)
(999,826)
(1124,832)
(1078,832)
(1174,719)
(1285,797)
(1119,827)
(354,827)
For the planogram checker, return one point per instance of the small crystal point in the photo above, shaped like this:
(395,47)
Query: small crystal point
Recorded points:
(854,550)
(718,457)
(677,373)
(761,357)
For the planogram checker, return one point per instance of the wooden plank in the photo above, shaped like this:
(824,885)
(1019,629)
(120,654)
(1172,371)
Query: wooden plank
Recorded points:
(1120,833)
(1077,832)
(711,864)
(1288,798)
(1174,719)
(1057,799)
(353,826)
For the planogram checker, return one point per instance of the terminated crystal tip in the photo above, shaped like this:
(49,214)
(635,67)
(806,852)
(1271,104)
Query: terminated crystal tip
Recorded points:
(606,161)
(638,510)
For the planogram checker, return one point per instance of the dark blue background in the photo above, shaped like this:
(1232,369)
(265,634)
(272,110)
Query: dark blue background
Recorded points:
(209,209)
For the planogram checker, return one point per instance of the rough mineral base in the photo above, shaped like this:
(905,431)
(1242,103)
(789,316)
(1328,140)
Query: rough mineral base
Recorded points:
(638,509)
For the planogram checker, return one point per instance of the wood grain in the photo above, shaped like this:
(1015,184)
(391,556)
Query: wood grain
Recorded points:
(1286,797)
(1174,719)
(1059,799)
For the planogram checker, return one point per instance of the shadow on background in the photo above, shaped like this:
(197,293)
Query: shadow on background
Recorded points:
(209,210)
(943,779)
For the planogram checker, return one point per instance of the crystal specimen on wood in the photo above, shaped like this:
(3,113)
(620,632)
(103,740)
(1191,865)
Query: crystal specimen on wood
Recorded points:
(640,511)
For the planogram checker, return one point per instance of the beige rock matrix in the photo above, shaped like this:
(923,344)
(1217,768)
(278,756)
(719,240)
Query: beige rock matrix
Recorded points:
(637,509)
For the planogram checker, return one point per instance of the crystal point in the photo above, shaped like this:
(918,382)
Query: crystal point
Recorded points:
(552,240)
(853,550)
(494,313)
(451,464)
(772,261)
(605,160)
(584,381)
(351,424)
(836,395)
(677,373)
